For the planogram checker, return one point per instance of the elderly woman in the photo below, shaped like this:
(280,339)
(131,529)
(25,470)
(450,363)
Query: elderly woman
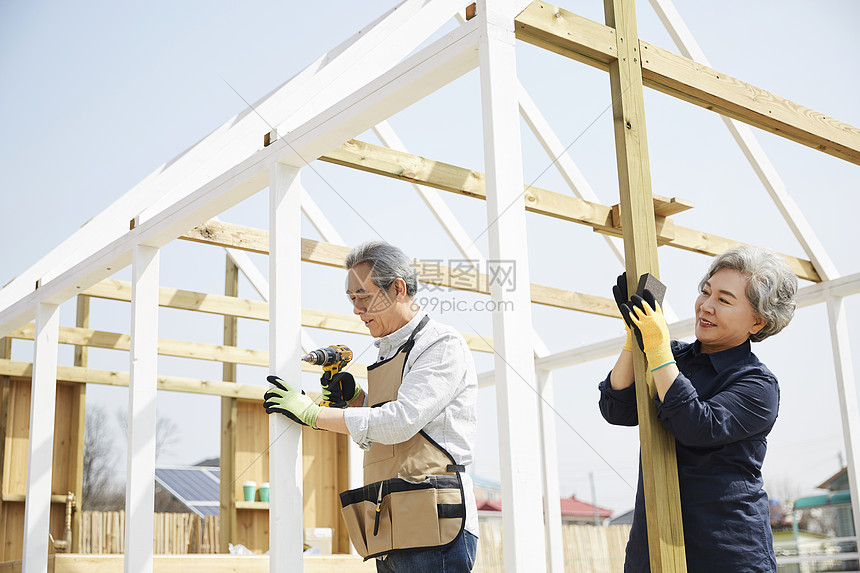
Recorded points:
(718,401)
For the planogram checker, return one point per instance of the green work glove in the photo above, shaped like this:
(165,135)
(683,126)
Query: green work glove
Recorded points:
(294,404)
(649,324)
(340,389)
(619,291)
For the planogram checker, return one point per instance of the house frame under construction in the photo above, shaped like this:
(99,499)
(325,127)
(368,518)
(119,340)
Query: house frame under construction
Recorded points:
(383,69)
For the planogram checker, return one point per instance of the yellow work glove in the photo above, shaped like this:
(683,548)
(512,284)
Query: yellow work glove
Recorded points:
(294,404)
(647,318)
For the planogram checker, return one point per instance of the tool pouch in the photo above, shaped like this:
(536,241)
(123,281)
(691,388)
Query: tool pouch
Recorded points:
(396,514)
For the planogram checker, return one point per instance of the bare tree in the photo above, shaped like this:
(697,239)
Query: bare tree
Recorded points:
(100,490)
(166,432)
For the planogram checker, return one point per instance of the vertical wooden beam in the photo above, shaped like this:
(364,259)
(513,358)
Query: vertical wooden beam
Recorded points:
(143,374)
(5,382)
(549,459)
(516,400)
(846,388)
(285,353)
(37,510)
(659,464)
(229,419)
(78,426)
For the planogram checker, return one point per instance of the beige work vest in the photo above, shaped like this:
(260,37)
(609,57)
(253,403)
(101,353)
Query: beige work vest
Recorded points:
(413,493)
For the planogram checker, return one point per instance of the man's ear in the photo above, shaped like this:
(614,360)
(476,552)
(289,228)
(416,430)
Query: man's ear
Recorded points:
(399,289)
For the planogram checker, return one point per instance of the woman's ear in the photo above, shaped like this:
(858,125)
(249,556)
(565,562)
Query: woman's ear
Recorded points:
(758,323)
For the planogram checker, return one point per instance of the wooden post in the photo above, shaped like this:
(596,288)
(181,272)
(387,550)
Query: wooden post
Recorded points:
(43,401)
(285,353)
(229,414)
(549,461)
(516,399)
(143,374)
(5,381)
(78,426)
(847,397)
(657,446)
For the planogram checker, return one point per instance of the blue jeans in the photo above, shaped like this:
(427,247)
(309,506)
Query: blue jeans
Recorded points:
(459,557)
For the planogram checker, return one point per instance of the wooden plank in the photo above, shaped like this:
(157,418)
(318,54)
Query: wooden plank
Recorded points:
(695,83)
(78,408)
(432,272)
(174,298)
(400,165)
(83,337)
(658,460)
(578,38)
(23,370)
(229,420)
(568,34)
(166,347)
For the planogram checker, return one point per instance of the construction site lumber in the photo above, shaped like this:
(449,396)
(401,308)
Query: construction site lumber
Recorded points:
(584,40)
(430,272)
(415,169)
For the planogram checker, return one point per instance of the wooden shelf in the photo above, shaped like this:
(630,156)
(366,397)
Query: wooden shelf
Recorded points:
(21,498)
(252,505)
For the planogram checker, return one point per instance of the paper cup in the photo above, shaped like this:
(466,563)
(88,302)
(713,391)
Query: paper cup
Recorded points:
(250,488)
(264,491)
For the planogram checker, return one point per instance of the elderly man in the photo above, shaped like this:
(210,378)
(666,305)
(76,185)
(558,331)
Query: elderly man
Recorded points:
(416,423)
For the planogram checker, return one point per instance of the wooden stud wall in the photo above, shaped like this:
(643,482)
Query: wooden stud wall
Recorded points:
(13,487)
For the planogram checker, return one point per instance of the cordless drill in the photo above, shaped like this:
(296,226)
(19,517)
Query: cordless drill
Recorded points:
(332,359)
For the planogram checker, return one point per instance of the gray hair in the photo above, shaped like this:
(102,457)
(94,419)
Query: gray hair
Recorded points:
(771,285)
(387,263)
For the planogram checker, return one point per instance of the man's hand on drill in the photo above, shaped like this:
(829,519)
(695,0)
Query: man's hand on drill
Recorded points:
(340,389)
(294,404)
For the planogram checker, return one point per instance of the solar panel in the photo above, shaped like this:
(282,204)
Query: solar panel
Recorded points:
(197,487)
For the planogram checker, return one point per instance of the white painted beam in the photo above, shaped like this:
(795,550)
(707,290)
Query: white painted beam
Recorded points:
(37,510)
(330,78)
(433,67)
(285,353)
(549,462)
(318,219)
(430,69)
(517,408)
(142,390)
(847,390)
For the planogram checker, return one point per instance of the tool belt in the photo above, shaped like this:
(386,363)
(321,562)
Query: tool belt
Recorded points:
(396,514)
(413,494)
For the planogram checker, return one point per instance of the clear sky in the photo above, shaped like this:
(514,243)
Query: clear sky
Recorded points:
(96,96)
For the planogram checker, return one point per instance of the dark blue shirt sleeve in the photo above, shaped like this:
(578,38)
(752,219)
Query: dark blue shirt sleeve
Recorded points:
(745,407)
(618,407)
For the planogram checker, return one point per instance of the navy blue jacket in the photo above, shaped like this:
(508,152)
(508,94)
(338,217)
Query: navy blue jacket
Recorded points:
(720,409)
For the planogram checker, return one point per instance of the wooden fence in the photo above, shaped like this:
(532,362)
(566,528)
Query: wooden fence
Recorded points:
(587,549)
(103,532)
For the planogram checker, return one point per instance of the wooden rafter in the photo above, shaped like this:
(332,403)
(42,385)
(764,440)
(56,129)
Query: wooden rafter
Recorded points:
(579,38)
(430,272)
(415,169)
(112,289)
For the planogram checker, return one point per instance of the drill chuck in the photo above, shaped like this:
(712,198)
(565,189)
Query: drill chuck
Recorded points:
(329,355)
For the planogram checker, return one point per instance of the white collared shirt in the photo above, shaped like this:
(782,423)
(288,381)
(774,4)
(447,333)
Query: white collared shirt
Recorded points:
(439,395)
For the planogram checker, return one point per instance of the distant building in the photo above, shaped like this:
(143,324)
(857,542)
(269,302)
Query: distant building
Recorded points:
(573,511)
